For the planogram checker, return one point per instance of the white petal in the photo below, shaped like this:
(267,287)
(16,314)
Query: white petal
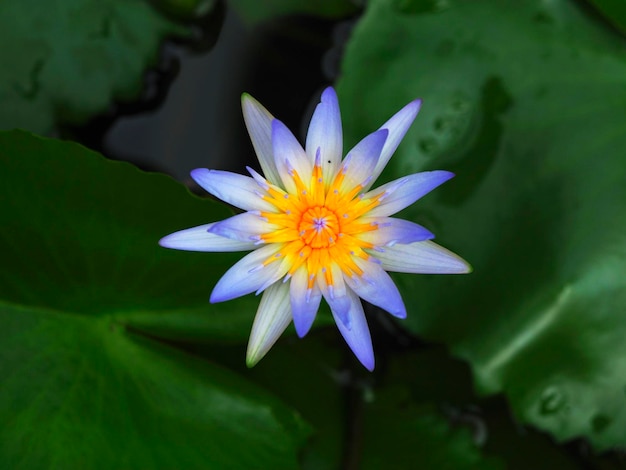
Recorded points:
(279,272)
(397,127)
(336,294)
(361,160)
(325,133)
(422,258)
(272,317)
(248,274)
(259,124)
(244,227)
(358,336)
(392,230)
(288,155)
(376,287)
(405,191)
(199,239)
(238,190)
(304,305)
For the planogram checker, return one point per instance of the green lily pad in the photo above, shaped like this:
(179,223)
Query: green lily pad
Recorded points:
(64,62)
(81,234)
(80,392)
(526,106)
(84,384)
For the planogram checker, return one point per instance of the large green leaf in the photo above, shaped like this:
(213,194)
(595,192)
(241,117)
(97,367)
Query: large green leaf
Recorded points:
(80,392)
(65,61)
(525,101)
(80,235)
(82,281)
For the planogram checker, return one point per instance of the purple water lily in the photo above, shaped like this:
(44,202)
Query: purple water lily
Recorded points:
(316,228)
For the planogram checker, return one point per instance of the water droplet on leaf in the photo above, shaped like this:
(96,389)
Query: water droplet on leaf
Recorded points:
(460,103)
(428,145)
(442,123)
(551,401)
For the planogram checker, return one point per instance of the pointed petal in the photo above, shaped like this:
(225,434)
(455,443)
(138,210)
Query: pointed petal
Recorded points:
(325,133)
(244,227)
(288,154)
(358,336)
(397,127)
(259,124)
(405,191)
(272,317)
(391,231)
(336,294)
(247,275)
(199,239)
(304,305)
(361,160)
(422,258)
(377,287)
(238,190)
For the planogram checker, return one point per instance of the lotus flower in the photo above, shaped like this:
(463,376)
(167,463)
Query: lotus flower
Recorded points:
(316,228)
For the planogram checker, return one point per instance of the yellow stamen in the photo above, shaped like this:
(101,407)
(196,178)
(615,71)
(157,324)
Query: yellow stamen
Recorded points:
(317,225)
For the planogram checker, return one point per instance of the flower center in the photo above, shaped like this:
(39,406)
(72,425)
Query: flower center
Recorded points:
(319,227)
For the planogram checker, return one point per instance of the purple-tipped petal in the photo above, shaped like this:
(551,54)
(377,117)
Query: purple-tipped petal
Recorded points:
(272,317)
(325,133)
(405,191)
(238,190)
(422,258)
(391,231)
(358,335)
(199,239)
(248,274)
(361,160)
(288,155)
(259,124)
(304,305)
(244,227)
(397,127)
(377,287)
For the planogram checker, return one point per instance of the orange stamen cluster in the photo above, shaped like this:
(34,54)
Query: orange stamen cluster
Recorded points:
(318,225)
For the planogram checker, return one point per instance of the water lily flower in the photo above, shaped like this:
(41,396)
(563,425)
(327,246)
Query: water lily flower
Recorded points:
(316,228)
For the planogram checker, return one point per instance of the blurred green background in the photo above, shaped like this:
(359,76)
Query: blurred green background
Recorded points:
(111,355)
